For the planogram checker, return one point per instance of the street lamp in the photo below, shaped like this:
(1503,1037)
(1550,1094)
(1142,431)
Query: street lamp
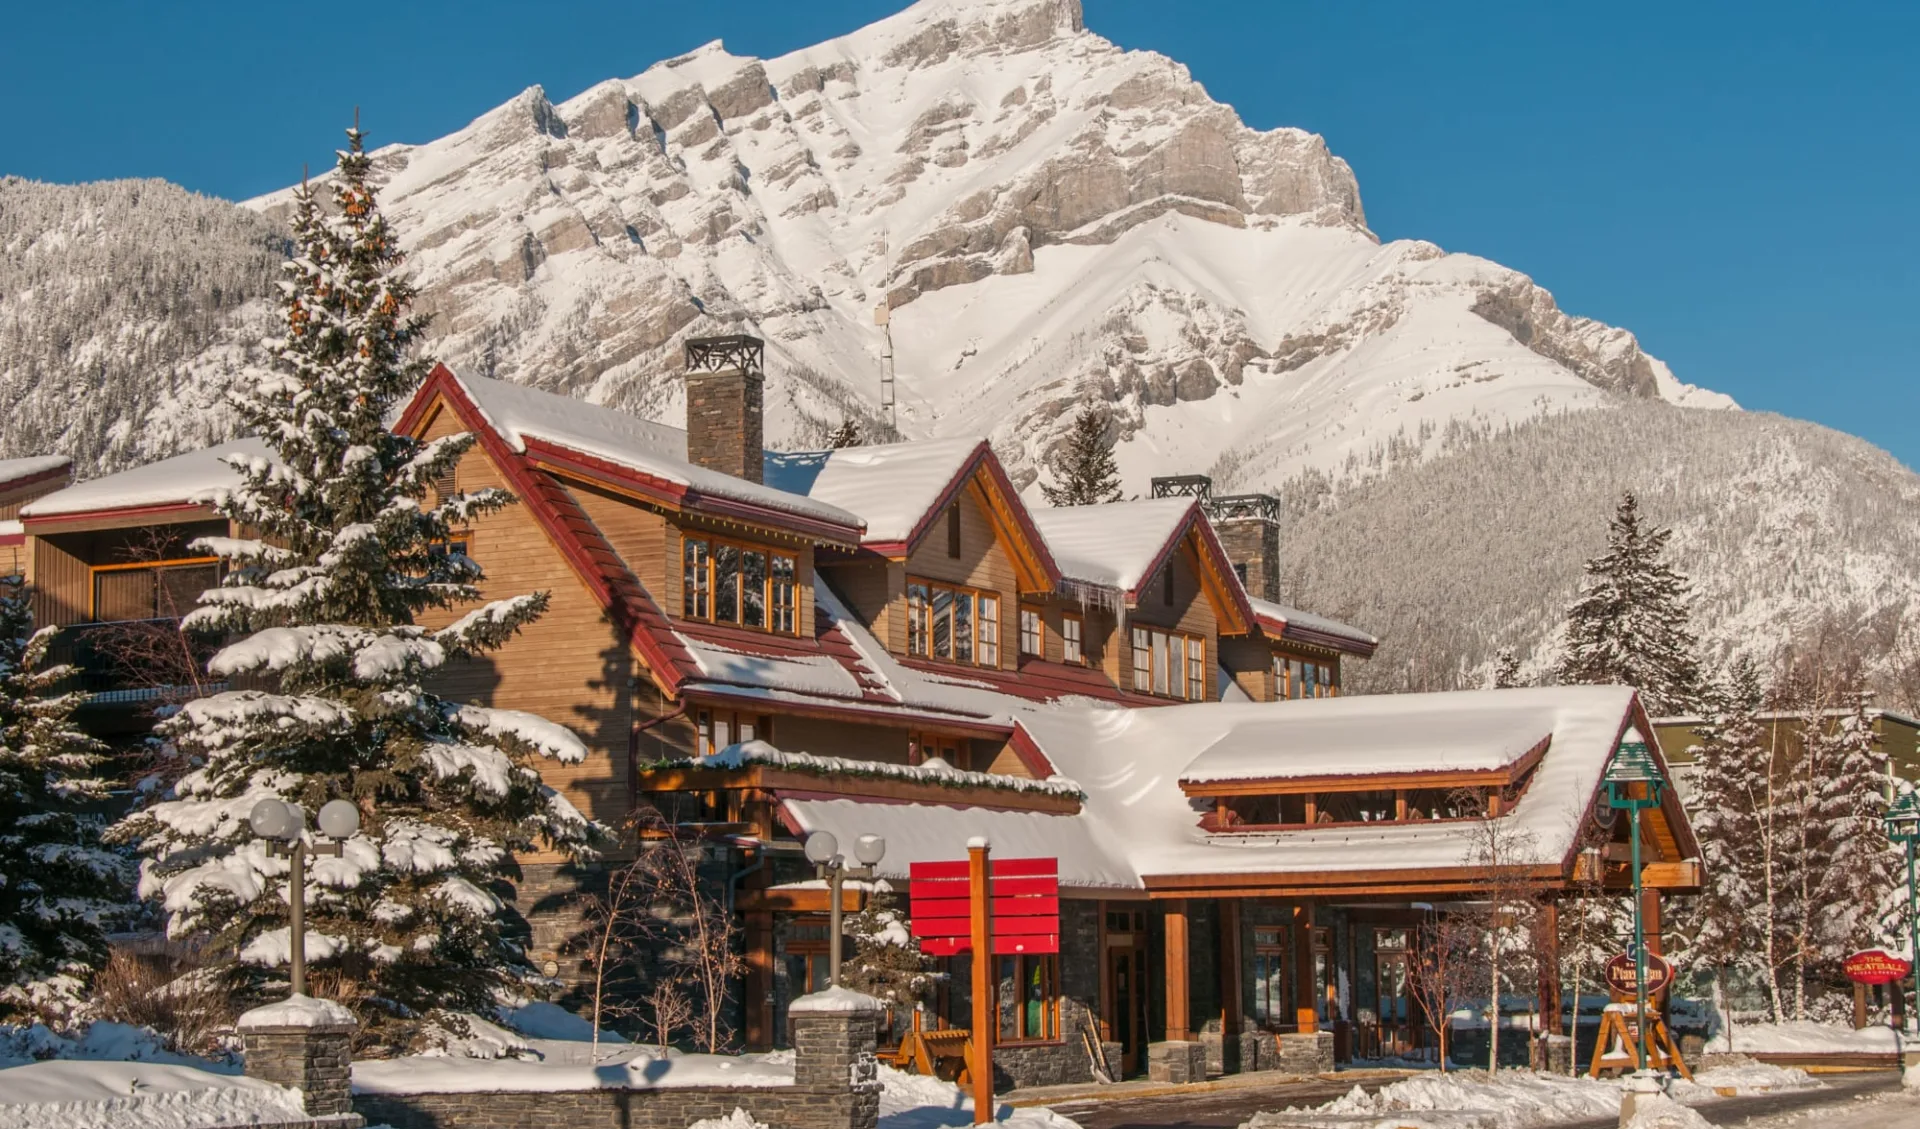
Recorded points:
(284,826)
(823,850)
(1903,827)
(1634,785)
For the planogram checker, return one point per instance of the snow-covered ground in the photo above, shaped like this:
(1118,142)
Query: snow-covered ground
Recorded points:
(1809,1037)
(1519,1100)
(914,1101)
(81,1094)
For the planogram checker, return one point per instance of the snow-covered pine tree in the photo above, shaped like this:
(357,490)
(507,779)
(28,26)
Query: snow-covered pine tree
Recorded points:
(1629,625)
(1856,860)
(1728,796)
(846,435)
(322,601)
(58,885)
(1084,473)
(1506,669)
(886,962)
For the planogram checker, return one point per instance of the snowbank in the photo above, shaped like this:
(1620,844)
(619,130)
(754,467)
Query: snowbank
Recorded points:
(1519,1099)
(648,1070)
(914,1101)
(296,1011)
(1806,1036)
(115,1095)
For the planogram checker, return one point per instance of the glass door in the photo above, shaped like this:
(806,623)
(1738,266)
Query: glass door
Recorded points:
(1391,974)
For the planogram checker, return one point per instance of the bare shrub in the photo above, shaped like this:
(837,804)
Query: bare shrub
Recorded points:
(188,1006)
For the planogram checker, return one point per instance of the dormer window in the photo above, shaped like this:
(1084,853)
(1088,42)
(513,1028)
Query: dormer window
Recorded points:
(956,624)
(1169,665)
(734,583)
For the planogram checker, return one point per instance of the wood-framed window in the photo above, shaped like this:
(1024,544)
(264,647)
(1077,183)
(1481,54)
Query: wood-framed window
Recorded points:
(807,946)
(1032,638)
(1169,664)
(720,728)
(922,745)
(735,583)
(1326,1002)
(956,624)
(165,589)
(1271,1006)
(1072,629)
(1029,999)
(1303,678)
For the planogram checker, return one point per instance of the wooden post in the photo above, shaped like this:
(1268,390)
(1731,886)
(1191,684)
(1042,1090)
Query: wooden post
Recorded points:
(1306,1004)
(1650,914)
(1859,1007)
(1229,979)
(759,946)
(985,995)
(1548,983)
(1179,968)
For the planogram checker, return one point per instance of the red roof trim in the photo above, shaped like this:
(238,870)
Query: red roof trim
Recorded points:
(982,457)
(1279,628)
(41,521)
(1031,754)
(784,794)
(13,538)
(1210,545)
(65,472)
(881,711)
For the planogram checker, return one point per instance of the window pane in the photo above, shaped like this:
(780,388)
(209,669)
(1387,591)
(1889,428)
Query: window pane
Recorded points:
(726,583)
(179,588)
(753,589)
(1293,678)
(782,592)
(722,731)
(693,555)
(1029,631)
(943,623)
(989,631)
(963,626)
(1070,639)
(916,619)
(125,593)
(1309,687)
(1159,662)
(1142,660)
(1008,997)
(1196,670)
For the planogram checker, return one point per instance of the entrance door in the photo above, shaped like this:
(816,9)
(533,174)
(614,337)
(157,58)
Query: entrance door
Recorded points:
(1391,975)
(1125,973)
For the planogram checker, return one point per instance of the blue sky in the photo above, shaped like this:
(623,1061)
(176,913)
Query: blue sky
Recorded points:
(1733,182)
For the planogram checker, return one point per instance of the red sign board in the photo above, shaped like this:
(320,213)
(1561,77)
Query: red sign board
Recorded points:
(1621,974)
(1025,905)
(1876,966)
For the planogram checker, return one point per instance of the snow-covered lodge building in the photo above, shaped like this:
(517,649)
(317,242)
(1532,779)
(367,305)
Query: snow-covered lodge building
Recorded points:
(888,640)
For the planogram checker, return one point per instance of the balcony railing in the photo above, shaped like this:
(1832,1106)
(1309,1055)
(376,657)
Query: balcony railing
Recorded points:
(132,662)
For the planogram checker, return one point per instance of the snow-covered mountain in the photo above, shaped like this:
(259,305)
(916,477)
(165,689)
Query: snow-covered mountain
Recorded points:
(1049,217)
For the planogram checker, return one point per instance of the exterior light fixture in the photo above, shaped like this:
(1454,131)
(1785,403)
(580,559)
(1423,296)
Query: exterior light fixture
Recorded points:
(823,850)
(1634,784)
(284,826)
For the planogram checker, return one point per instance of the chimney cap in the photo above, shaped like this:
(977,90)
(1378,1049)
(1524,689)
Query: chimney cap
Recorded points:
(731,351)
(1183,486)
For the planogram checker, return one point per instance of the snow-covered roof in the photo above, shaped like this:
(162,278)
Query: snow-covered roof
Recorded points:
(892,486)
(1113,545)
(937,833)
(33,466)
(1288,618)
(1485,735)
(175,481)
(518,413)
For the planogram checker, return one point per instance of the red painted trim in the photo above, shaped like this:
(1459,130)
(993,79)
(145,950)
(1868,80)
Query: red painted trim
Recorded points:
(1210,545)
(65,472)
(881,710)
(785,794)
(13,538)
(1031,754)
(982,458)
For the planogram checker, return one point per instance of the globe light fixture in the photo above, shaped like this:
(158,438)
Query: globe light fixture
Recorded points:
(1903,828)
(823,851)
(284,826)
(1634,784)
(275,819)
(339,819)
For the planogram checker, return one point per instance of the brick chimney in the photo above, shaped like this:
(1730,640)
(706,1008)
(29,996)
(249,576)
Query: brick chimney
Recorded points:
(725,403)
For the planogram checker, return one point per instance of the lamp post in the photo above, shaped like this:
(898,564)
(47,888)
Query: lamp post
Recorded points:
(1903,827)
(823,850)
(284,827)
(1634,785)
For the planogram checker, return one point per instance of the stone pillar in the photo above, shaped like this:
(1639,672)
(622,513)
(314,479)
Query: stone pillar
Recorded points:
(725,404)
(835,1033)
(306,1044)
(1177,1061)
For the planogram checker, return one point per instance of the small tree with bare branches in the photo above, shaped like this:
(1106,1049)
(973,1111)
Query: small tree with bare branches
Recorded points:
(1444,952)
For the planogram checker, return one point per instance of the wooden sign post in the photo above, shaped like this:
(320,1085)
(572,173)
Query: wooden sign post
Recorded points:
(981,917)
(1621,1026)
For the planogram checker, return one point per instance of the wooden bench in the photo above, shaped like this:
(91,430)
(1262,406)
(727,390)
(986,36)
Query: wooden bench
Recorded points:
(937,1054)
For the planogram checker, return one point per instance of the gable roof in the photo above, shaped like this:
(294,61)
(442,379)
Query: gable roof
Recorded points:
(901,488)
(1120,546)
(1282,622)
(15,473)
(625,451)
(170,484)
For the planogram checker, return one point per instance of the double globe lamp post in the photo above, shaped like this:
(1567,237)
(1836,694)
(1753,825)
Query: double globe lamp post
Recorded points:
(823,850)
(284,827)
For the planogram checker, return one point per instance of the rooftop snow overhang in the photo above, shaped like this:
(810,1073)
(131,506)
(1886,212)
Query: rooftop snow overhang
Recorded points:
(1218,581)
(1293,626)
(1034,569)
(801,776)
(1198,780)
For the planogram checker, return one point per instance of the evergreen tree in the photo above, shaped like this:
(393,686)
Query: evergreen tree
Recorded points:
(1727,797)
(323,602)
(1629,626)
(846,435)
(1084,473)
(886,962)
(57,883)
(1855,858)
(1506,669)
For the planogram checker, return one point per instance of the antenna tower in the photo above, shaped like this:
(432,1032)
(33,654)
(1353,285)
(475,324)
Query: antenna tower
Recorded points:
(882,317)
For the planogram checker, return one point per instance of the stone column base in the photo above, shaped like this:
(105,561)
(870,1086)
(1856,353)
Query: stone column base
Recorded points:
(1553,1054)
(1177,1062)
(1310,1053)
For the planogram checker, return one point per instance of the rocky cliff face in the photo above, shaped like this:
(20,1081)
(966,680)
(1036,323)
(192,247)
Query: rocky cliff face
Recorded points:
(1048,218)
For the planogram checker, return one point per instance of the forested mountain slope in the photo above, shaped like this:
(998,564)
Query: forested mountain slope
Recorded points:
(1780,523)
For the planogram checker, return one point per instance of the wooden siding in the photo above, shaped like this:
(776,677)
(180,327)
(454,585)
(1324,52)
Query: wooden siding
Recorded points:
(1250,660)
(863,586)
(832,738)
(983,563)
(13,500)
(571,666)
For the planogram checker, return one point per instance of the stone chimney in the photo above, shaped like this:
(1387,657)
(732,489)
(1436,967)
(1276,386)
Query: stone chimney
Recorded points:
(725,403)
(1249,529)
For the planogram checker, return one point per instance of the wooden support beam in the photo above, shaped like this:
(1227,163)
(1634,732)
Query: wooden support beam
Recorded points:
(1306,1000)
(1229,970)
(759,1001)
(1650,919)
(1549,965)
(1179,968)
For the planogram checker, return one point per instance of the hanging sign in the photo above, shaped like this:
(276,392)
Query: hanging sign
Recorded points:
(1026,906)
(1876,966)
(1621,974)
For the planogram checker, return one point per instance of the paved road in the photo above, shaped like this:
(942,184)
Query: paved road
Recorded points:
(1227,1108)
